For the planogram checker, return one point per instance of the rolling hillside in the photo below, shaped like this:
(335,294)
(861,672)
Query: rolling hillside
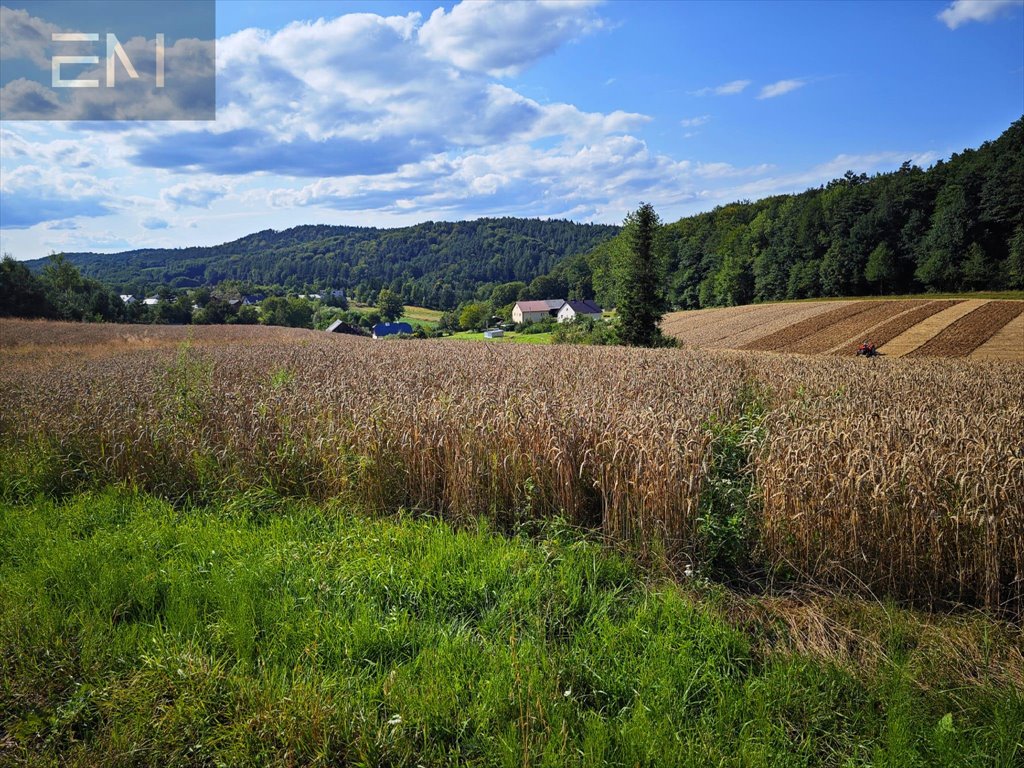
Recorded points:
(984,329)
(434,264)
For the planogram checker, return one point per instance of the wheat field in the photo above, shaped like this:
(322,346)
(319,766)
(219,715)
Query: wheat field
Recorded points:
(887,477)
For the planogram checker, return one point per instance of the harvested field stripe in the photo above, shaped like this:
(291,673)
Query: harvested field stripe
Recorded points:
(790,335)
(845,330)
(889,329)
(730,327)
(960,338)
(1006,344)
(695,319)
(777,320)
(759,320)
(914,337)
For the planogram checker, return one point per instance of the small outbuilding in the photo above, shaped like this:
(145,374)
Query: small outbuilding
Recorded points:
(380,330)
(339,326)
(571,310)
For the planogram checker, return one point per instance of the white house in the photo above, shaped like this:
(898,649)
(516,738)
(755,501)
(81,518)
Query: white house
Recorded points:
(573,309)
(532,311)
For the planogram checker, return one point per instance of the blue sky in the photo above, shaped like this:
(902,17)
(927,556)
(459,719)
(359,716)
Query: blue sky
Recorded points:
(387,114)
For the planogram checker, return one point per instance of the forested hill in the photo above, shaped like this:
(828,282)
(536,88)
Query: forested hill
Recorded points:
(435,264)
(957,226)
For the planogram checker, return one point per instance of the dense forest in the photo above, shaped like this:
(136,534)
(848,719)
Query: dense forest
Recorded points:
(435,264)
(957,226)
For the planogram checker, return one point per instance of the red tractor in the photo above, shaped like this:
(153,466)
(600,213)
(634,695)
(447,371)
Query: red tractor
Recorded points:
(867,349)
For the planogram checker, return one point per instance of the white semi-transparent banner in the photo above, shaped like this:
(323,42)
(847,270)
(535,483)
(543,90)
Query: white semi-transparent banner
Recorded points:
(109,60)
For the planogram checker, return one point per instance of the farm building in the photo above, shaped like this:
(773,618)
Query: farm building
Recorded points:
(574,309)
(532,311)
(339,326)
(380,330)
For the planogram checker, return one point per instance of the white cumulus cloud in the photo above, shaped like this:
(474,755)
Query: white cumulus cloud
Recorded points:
(502,38)
(961,12)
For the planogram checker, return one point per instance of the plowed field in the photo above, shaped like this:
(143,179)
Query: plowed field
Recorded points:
(914,337)
(889,330)
(797,332)
(1005,344)
(731,327)
(970,331)
(833,335)
(984,329)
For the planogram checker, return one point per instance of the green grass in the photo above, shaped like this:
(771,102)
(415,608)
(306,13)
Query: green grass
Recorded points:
(510,337)
(268,632)
(422,316)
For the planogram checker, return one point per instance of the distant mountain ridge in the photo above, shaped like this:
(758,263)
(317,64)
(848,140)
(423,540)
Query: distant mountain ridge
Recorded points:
(433,264)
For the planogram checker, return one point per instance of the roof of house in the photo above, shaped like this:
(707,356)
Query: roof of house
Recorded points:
(340,326)
(584,307)
(542,305)
(387,329)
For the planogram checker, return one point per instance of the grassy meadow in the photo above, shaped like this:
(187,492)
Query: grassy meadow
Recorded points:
(510,337)
(253,546)
(265,631)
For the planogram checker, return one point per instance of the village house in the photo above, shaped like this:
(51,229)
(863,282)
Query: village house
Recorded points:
(534,311)
(571,310)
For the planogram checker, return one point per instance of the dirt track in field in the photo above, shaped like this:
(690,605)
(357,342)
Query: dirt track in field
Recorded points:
(962,337)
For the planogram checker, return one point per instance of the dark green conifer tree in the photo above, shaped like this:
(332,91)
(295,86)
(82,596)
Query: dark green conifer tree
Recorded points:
(641,280)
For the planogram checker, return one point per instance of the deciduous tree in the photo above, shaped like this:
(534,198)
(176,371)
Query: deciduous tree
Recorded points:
(390,306)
